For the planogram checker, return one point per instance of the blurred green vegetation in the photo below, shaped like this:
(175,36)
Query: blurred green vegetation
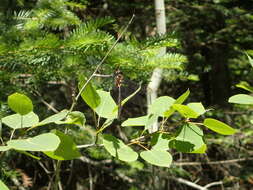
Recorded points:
(45,45)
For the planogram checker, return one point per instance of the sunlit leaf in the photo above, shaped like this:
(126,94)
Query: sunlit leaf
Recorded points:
(161,105)
(218,126)
(66,150)
(44,142)
(157,157)
(20,103)
(138,121)
(197,107)
(53,118)
(17,121)
(185,111)
(89,94)
(106,106)
(189,139)
(118,149)
(4,148)
(244,85)
(74,117)
(179,100)
(3,186)
(241,99)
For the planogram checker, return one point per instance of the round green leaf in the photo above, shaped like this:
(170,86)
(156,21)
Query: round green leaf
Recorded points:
(118,149)
(219,127)
(44,142)
(67,149)
(20,103)
(17,121)
(157,157)
(241,99)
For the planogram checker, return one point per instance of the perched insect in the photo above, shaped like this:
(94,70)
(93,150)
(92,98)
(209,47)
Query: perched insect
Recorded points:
(118,83)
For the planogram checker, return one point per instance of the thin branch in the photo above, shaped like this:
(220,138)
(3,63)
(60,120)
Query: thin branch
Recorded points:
(46,103)
(188,183)
(213,184)
(196,186)
(212,162)
(105,76)
(88,145)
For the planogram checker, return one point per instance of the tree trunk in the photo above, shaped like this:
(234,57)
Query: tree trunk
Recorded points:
(157,73)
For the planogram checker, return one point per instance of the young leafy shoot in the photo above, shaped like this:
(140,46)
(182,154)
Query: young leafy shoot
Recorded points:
(185,111)
(179,100)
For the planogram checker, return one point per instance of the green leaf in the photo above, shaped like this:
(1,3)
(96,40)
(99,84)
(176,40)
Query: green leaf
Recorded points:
(17,121)
(67,149)
(89,94)
(250,60)
(20,103)
(197,107)
(123,102)
(130,96)
(4,148)
(160,141)
(118,149)
(244,85)
(3,186)
(53,118)
(179,100)
(189,139)
(138,121)
(44,142)
(218,126)
(185,111)
(28,154)
(106,106)
(157,157)
(74,117)
(241,99)
(152,118)
(183,97)
(161,105)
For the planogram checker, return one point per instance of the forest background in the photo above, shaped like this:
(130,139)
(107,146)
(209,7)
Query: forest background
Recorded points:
(47,45)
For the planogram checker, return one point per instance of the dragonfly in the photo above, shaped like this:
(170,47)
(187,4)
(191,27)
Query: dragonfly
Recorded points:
(118,79)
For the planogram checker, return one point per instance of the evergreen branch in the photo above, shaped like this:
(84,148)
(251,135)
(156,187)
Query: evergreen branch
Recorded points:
(101,62)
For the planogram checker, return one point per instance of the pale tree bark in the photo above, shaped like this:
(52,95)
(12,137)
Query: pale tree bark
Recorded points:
(156,77)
